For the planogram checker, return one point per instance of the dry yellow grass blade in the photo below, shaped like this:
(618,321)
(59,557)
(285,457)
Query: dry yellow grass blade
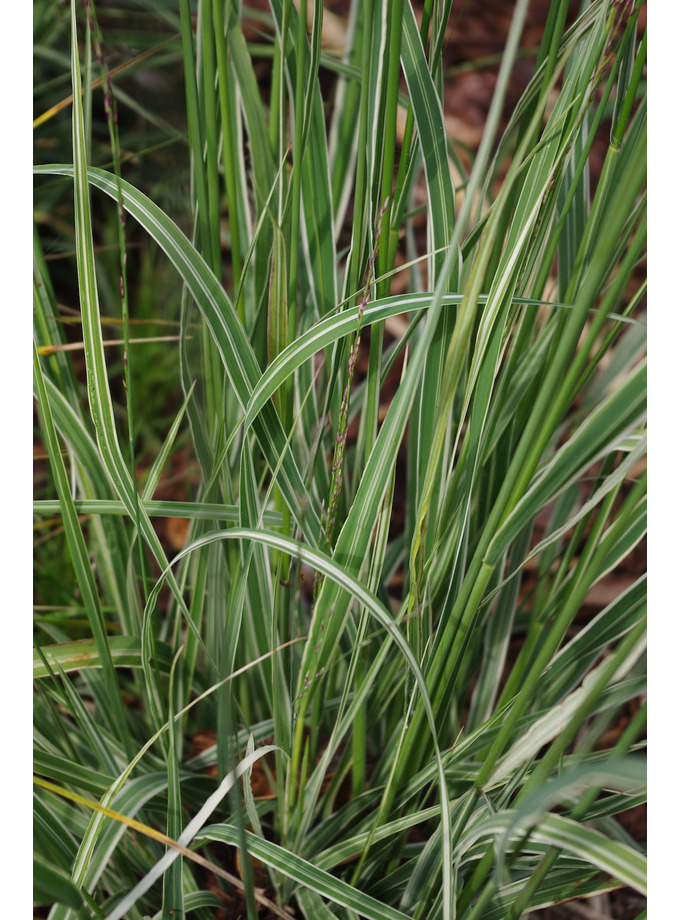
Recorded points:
(65,103)
(78,346)
(161,838)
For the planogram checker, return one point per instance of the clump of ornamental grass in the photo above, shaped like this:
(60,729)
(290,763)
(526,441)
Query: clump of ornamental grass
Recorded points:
(408,713)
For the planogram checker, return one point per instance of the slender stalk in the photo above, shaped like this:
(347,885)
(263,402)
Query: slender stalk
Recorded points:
(390,134)
(230,149)
(298,154)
